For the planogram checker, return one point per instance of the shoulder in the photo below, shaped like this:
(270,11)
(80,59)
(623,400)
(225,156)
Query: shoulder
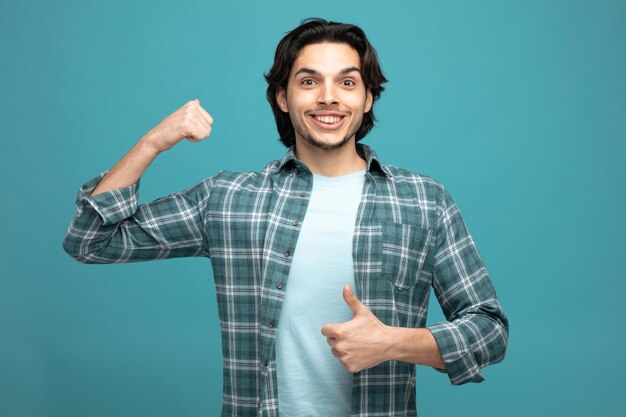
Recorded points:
(415,198)
(235,180)
(421,186)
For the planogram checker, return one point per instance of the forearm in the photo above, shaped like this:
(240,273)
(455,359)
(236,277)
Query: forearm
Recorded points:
(416,346)
(130,168)
(190,121)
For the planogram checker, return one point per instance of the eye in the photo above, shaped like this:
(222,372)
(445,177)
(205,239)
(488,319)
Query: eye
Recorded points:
(307,81)
(349,83)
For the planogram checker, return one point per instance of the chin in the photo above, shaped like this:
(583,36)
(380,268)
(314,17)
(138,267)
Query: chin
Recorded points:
(335,141)
(327,145)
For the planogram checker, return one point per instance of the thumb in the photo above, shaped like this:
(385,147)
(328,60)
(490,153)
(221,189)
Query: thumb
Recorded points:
(350,299)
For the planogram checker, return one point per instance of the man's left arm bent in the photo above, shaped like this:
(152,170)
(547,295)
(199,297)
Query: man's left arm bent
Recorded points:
(476,331)
(475,334)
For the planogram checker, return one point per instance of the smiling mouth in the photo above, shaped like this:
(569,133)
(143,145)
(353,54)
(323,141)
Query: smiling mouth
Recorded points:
(328,122)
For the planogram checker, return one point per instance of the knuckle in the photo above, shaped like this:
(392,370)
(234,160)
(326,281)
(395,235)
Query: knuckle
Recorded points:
(351,366)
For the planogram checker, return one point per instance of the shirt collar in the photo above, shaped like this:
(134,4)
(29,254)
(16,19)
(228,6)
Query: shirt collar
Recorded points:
(373,162)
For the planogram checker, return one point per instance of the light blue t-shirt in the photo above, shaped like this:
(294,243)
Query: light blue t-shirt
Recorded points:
(311,381)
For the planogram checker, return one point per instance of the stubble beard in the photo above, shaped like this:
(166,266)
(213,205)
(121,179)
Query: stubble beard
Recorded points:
(324,145)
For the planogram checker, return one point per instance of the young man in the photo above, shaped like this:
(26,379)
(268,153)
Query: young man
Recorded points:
(324,260)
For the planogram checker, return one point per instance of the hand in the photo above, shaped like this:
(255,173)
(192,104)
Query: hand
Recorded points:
(362,342)
(190,121)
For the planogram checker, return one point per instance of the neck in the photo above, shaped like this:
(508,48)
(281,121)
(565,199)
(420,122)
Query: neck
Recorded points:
(330,163)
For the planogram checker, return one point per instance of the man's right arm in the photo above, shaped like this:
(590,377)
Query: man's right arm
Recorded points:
(109,226)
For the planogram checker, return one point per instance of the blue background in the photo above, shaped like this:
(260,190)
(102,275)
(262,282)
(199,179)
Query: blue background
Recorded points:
(517,107)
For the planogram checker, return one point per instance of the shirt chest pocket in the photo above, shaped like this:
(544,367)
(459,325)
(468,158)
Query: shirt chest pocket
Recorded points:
(405,252)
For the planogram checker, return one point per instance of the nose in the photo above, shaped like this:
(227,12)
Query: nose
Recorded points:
(327,94)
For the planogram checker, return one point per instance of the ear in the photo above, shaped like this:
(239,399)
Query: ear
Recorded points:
(369,101)
(281,99)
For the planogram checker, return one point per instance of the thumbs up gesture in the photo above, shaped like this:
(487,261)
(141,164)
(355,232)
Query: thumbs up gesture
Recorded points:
(362,342)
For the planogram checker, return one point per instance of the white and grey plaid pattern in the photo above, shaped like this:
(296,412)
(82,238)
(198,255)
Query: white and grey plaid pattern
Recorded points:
(409,237)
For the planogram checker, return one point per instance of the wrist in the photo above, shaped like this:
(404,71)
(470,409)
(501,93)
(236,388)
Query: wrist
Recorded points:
(414,345)
(393,342)
(148,144)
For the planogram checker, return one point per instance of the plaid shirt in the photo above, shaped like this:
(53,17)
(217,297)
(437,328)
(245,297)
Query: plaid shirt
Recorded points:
(409,237)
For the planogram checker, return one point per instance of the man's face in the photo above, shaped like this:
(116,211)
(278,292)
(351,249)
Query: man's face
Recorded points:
(325,96)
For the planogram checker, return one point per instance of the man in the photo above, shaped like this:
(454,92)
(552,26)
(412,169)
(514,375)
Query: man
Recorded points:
(324,260)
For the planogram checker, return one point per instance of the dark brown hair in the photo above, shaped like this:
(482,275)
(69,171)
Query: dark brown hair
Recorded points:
(314,30)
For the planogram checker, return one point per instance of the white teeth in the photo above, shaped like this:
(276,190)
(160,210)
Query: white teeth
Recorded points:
(328,119)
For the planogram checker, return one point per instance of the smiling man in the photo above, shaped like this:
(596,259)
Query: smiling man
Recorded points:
(324,260)
(322,76)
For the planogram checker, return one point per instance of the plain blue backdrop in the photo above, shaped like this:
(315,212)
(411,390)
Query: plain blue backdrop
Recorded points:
(519,108)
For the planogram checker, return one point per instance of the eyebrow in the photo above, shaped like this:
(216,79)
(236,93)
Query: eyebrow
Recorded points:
(314,72)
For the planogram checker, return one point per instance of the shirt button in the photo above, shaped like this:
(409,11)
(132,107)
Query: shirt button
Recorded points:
(287,253)
(271,324)
(303,194)
(280,285)
(264,364)
(296,223)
